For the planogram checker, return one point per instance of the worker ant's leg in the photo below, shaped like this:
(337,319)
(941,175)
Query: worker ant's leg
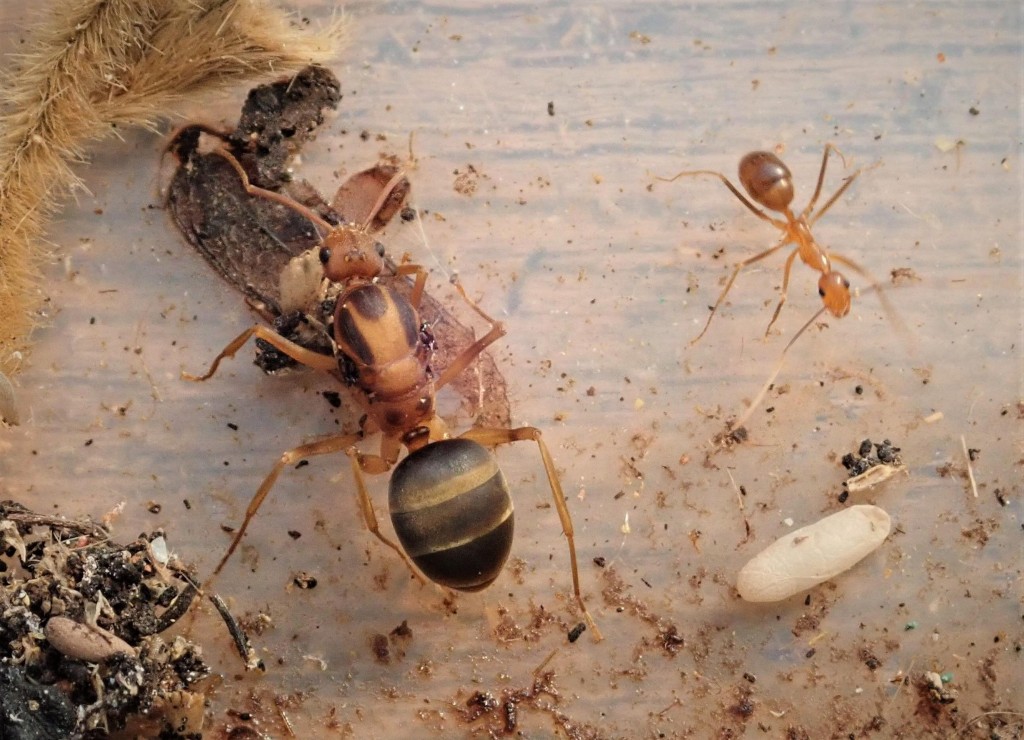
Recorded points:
(887,306)
(855,267)
(835,196)
(489,437)
(732,278)
(829,148)
(779,224)
(320,447)
(298,353)
(785,287)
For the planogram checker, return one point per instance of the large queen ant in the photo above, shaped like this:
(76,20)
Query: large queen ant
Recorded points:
(449,501)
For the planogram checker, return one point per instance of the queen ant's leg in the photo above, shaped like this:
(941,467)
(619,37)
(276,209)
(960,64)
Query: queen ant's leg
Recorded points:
(377,464)
(320,447)
(454,280)
(469,354)
(779,224)
(419,285)
(419,281)
(489,437)
(298,353)
(460,363)
(732,278)
(785,287)
(369,203)
(315,218)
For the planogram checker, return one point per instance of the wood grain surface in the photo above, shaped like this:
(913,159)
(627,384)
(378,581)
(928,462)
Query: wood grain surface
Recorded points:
(537,134)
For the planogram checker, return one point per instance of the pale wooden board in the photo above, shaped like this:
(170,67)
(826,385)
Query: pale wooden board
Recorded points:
(601,284)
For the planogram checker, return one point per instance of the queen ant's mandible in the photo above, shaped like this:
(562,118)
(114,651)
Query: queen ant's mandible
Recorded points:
(769,183)
(449,502)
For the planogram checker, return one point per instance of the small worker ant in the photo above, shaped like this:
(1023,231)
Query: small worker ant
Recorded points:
(448,499)
(769,183)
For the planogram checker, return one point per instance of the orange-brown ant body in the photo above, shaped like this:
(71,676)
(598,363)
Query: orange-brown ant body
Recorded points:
(769,183)
(450,504)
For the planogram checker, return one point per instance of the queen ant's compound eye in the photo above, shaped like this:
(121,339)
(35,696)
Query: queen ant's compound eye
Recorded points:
(325,255)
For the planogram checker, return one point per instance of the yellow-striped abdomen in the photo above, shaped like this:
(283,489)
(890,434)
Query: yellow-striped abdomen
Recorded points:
(452,512)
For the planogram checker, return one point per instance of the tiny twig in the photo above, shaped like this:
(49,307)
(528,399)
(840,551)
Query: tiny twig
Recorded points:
(970,468)
(974,719)
(245,649)
(20,515)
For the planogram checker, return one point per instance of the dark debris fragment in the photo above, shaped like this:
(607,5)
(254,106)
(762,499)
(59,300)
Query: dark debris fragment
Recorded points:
(872,464)
(122,594)
(29,711)
(863,460)
(496,716)
(730,437)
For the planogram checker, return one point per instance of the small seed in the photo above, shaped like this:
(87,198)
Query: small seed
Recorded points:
(84,642)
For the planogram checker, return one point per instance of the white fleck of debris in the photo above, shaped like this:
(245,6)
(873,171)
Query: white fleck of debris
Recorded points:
(159,549)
